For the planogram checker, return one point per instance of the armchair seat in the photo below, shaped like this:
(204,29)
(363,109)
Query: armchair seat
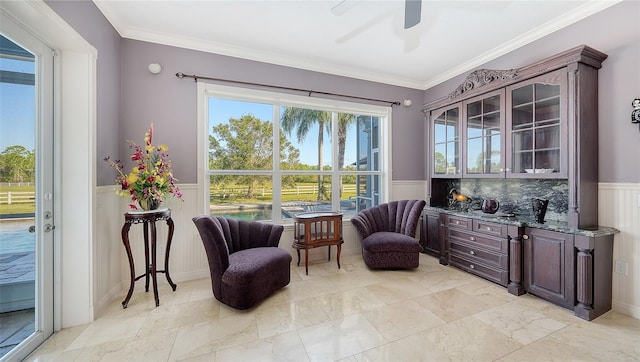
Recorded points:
(387,234)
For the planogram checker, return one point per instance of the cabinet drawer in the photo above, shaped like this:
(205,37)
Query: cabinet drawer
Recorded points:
(490,228)
(458,222)
(499,245)
(493,274)
(498,260)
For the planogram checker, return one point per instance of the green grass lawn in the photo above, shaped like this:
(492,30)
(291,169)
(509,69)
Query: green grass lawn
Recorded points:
(17,208)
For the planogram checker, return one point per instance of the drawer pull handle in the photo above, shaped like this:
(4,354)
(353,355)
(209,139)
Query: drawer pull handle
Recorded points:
(472,266)
(472,238)
(457,222)
(472,252)
(489,228)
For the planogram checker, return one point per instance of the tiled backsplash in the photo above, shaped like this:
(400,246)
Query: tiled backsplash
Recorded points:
(514,195)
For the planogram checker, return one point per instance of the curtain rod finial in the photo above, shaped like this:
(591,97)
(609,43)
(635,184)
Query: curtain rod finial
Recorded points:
(180,75)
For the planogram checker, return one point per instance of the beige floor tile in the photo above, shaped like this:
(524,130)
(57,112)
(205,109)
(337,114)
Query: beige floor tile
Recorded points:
(156,347)
(549,349)
(442,279)
(469,339)
(524,325)
(173,316)
(395,290)
(489,293)
(401,319)
(283,347)
(307,289)
(416,347)
(61,340)
(340,338)
(210,336)
(342,304)
(288,317)
(451,304)
(106,330)
(56,356)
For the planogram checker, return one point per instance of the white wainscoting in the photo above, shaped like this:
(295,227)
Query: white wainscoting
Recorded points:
(619,207)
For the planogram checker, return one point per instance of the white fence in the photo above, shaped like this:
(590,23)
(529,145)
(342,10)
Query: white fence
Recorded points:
(17,197)
(264,191)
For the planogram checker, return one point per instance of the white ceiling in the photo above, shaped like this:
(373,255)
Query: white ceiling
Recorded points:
(359,39)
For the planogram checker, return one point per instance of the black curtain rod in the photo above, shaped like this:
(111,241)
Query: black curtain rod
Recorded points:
(308,91)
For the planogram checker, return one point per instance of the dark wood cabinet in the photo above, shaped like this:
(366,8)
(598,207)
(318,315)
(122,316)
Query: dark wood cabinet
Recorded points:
(430,233)
(549,266)
(478,247)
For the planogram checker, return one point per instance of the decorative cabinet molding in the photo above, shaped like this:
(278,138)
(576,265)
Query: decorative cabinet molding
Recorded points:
(480,78)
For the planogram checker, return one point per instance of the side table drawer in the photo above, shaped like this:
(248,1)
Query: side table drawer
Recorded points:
(492,243)
(493,274)
(479,255)
(490,228)
(458,222)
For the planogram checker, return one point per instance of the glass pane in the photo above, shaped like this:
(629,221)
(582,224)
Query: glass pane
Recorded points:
(348,199)
(241,197)
(474,127)
(522,141)
(440,131)
(309,131)
(452,158)
(492,123)
(522,162)
(522,116)
(474,109)
(475,156)
(368,193)
(491,104)
(548,110)
(304,193)
(522,95)
(452,115)
(440,160)
(452,132)
(544,91)
(493,144)
(240,135)
(360,154)
(547,161)
(548,137)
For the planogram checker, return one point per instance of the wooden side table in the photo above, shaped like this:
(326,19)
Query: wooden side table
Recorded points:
(148,219)
(316,229)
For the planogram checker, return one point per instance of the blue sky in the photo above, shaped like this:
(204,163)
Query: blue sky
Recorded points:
(221,110)
(17,116)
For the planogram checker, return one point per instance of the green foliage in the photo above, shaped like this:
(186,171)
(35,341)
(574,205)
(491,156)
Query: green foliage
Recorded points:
(17,164)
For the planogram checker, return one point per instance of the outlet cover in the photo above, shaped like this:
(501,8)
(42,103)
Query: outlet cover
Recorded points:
(621,267)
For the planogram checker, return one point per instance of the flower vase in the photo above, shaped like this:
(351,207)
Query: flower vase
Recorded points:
(149,204)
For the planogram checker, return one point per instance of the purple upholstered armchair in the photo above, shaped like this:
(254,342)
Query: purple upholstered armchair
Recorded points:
(245,262)
(387,234)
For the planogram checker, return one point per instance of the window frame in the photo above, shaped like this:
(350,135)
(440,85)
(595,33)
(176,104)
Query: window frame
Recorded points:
(278,99)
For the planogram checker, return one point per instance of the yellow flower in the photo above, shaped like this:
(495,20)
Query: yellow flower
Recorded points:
(132,177)
(163,148)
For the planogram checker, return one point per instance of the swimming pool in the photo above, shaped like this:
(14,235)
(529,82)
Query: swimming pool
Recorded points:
(15,236)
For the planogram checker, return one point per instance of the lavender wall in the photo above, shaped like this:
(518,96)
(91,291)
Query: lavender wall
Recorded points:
(170,103)
(616,32)
(89,22)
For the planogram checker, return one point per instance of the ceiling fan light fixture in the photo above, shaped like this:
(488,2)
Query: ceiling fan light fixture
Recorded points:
(412,11)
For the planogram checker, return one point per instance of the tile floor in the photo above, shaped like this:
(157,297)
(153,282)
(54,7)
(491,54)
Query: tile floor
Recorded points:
(434,313)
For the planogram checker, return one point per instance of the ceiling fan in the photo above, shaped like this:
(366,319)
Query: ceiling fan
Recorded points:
(412,10)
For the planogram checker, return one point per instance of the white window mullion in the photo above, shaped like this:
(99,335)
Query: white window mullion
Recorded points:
(276,181)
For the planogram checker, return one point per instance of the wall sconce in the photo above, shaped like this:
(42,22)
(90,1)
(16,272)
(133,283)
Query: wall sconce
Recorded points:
(155,68)
(407,102)
(635,115)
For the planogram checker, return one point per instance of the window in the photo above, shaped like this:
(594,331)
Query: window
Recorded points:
(331,155)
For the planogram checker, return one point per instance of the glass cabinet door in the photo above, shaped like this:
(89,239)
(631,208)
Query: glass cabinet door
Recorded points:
(537,124)
(483,121)
(446,141)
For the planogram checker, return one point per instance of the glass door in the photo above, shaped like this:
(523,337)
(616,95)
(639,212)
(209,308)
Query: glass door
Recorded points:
(483,123)
(537,124)
(26,192)
(446,142)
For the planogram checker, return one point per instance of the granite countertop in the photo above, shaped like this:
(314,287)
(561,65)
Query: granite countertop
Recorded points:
(525,220)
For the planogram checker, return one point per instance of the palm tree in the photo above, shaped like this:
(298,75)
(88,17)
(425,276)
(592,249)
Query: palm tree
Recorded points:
(302,120)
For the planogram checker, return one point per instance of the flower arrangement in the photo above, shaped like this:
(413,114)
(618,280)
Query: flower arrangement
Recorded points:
(151,179)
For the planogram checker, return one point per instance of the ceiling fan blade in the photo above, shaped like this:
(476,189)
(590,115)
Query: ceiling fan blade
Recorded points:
(412,10)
